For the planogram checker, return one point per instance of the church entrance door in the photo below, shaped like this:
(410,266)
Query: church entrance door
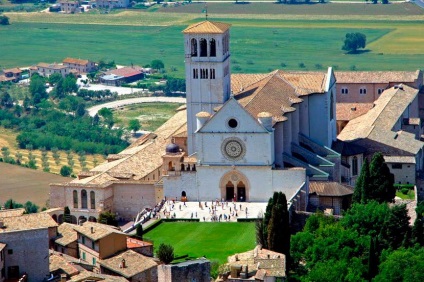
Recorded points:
(241,192)
(229,191)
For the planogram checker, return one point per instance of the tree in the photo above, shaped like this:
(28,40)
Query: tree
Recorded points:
(65,171)
(4,20)
(70,84)
(139,231)
(418,228)
(80,110)
(396,230)
(37,89)
(67,215)
(165,253)
(362,184)
(134,125)
(6,100)
(108,218)
(107,115)
(157,64)
(55,78)
(354,41)
(30,207)
(381,186)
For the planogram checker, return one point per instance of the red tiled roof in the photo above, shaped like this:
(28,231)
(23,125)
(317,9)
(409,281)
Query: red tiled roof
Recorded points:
(13,70)
(349,111)
(134,243)
(76,61)
(126,72)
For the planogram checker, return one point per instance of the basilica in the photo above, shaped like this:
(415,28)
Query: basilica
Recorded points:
(240,137)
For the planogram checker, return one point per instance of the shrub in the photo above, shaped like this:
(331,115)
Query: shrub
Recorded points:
(404,191)
(165,253)
(301,65)
(65,171)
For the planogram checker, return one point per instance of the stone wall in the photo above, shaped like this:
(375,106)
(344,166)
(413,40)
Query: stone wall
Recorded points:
(190,271)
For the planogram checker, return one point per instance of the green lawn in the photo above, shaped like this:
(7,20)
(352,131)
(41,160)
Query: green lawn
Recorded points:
(150,115)
(216,241)
(409,196)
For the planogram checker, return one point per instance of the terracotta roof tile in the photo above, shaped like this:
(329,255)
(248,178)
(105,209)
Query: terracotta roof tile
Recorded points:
(134,243)
(90,276)
(76,61)
(27,222)
(12,212)
(58,263)
(125,72)
(207,27)
(376,76)
(13,70)
(329,189)
(96,231)
(135,263)
(67,234)
(51,66)
(349,111)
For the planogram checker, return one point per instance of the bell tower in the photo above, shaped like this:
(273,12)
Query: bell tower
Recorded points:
(207,69)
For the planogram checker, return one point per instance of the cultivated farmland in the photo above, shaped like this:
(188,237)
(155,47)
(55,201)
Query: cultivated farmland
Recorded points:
(299,37)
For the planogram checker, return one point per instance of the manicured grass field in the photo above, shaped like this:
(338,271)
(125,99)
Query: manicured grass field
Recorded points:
(216,241)
(150,115)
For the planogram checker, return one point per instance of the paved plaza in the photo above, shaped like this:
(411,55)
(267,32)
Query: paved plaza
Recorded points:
(215,211)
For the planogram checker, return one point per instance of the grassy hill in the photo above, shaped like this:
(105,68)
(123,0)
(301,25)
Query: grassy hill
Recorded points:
(24,184)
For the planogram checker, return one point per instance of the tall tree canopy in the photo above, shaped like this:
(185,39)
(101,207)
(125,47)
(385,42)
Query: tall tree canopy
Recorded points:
(353,41)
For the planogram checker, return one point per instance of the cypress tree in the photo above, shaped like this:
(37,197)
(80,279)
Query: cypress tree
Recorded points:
(373,259)
(381,187)
(139,231)
(360,194)
(67,215)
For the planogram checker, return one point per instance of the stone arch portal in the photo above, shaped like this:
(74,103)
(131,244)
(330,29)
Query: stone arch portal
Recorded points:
(234,185)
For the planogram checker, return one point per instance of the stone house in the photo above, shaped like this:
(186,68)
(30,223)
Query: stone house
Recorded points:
(13,75)
(387,128)
(27,241)
(329,195)
(47,70)
(67,240)
(258,265)
(82,66)
(131,265)
(70,6)
(98,241)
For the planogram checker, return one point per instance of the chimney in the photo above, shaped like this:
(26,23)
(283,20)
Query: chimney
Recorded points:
(122,264)
(92,229)
(63,278)
(1,223)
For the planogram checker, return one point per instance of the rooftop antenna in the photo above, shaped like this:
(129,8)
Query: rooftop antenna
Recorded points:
(205,10)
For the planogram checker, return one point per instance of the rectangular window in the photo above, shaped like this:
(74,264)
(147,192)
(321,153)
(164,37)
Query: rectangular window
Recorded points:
(345,91)
(10,251)
(363,91)
(397,166)
(93,245)
(83,240)
(212,73)
(83,255)
(94,261)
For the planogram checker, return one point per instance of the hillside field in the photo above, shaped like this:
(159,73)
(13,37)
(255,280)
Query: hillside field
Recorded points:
(286,39)
(214,240)
(24,184)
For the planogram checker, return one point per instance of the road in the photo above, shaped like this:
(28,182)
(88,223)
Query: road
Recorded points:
(115,104)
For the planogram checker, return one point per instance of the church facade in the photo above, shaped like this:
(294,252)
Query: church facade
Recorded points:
(239,137)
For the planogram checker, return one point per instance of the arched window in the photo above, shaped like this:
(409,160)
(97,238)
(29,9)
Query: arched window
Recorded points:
(193,168)
(354,166)
(182,167)
(93,200)
(170,166)
(183,194)
(203,48)
(193,47)
(83,199)
(75,194)
(212,46)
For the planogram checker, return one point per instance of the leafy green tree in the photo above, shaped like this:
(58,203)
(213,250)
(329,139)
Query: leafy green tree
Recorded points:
(108,218)
(279,227)
(67,215)
(70,84)
(353,41)
(56,155)
(6,100)
(4,20)
(134,125)
(80,110)
(27,104)
(396,230)
(6,154)
(18,157)
(157,64)
(107,116)
(165,253)
(418,228)
(55,78)
(362,184)
(381,187)
(402,265)
(37,89)
(30,207)
(65,171)
(11,204)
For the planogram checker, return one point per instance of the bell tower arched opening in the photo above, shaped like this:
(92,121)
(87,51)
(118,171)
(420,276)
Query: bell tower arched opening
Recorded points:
(203,47)
(194,47)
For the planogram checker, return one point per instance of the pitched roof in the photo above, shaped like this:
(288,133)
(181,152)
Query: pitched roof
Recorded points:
(27,222)
(96,231)
(376,76)
(13,70)
(400,159)
(135,263)
(330,189)
(349,111)
(67,234)
(134,243)
(207,27)
(76,61)
(125,72)
(90,276)
(277,92)
(12,212)
(58,263)
(375,128)
(51,66)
